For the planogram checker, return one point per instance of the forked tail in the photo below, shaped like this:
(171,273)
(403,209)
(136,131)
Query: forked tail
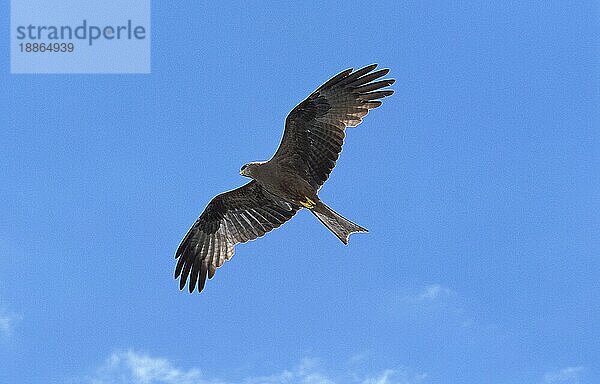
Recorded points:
(335,222)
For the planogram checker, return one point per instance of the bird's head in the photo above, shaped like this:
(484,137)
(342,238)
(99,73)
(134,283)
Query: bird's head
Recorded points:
(249,170)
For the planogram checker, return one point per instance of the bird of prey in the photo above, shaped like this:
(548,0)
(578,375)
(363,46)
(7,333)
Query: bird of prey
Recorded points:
(289,181)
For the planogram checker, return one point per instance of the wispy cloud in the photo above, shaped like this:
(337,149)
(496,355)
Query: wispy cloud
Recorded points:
(307,372)
(435,291)
(437,302)
(137,368)
(390,376)
(430,293)
(567,375)
(130,367)
(7,322)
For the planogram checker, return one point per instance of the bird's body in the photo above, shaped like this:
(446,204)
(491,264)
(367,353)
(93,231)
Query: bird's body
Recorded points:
(282,182)
(289,181)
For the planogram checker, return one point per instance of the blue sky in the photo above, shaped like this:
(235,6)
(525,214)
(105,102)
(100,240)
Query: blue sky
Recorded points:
(478,181)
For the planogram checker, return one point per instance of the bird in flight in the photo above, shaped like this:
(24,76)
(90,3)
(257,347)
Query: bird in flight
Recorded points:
(289,181)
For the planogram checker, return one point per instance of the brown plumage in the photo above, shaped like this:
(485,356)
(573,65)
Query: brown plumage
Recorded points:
(290,180)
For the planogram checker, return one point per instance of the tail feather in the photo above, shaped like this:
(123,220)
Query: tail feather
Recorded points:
(336,223)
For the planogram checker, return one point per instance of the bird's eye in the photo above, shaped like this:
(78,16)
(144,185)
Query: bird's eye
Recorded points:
(244,167)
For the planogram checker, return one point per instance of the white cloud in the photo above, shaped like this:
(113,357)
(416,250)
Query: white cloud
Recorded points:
(390,376)
(568,375)
(131,367)
(136,368)
(7,322)
(436,302)
(430,293)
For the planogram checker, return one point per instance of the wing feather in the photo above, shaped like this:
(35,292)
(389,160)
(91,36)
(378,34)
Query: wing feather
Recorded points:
(314,129)
(230,218)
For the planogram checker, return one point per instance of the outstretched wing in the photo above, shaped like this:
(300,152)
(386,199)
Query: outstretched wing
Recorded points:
(230,218)
(314,129)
